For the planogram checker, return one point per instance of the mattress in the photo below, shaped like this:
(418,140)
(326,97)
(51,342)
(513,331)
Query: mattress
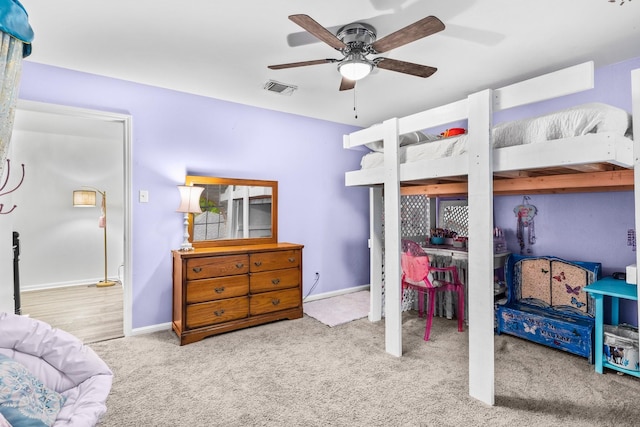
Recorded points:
(571,122)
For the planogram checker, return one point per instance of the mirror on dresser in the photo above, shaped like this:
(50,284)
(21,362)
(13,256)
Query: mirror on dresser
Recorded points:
(234,212)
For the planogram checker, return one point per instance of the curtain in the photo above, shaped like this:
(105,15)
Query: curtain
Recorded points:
(15,44)
(10,71)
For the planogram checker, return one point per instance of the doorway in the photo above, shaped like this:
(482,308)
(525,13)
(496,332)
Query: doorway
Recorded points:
(62,247)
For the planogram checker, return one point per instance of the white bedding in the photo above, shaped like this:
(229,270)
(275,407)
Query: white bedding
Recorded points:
(575,121)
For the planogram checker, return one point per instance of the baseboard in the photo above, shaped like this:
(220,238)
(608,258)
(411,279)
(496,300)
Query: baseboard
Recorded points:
(47,286)
(167,326)
(336,293)
(150,329)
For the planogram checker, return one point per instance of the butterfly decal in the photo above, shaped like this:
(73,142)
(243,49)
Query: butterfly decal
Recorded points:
(560,277)
(544,271)
(577,303)
(530,329)
(571,290)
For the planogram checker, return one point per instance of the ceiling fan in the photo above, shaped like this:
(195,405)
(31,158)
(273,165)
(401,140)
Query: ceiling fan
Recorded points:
(358,40)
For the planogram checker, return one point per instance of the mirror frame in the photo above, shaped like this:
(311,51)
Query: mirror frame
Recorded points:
(196,180)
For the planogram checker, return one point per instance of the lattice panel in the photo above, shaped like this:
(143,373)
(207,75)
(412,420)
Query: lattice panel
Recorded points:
(456,218)
(414,216)
(414,221)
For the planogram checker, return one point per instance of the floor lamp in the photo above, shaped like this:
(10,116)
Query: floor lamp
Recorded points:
(87,199)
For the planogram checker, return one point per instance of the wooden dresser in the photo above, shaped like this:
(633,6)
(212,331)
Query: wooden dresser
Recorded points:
(222,289)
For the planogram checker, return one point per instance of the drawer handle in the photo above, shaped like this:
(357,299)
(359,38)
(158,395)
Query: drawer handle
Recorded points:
(258,263)
(275,281)
(218,312)
(239,265)
(292,259)
(219,290)
(197,269)
(275,301)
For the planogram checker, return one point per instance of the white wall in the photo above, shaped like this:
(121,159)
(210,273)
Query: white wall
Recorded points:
(62,245)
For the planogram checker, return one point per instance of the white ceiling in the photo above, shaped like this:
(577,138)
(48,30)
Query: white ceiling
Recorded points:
(221,49)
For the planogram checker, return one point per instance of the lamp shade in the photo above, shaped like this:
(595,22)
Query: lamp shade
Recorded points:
(84,198)
(189,199)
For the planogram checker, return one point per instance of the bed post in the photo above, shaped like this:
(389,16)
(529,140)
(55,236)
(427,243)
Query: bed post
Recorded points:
(480,284)
(635,110)
(392,293)
(375,253)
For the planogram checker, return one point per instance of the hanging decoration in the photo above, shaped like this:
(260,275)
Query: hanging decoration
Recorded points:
(525,213)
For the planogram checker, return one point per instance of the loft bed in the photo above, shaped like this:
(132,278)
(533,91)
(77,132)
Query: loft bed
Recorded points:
(592,162)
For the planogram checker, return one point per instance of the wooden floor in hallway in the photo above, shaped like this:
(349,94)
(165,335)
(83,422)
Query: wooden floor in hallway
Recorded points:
(90,313)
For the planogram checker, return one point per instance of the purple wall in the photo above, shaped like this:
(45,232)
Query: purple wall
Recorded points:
(175,134)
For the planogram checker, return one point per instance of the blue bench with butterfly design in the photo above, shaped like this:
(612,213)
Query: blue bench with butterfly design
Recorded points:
(546,302)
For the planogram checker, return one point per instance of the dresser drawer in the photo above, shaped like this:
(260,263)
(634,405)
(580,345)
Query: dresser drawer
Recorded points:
(268,302)
(263,261)
(217,288)
(274,280)
(209,313)
(227,265)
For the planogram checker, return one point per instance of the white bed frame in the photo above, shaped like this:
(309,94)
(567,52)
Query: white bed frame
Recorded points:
(479,166)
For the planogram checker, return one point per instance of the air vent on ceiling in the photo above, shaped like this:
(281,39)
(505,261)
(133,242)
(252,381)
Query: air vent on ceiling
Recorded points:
(281,88)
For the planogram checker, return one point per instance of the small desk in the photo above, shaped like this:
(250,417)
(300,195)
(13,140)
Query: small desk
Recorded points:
(447,255)
(499,259)
(615,289)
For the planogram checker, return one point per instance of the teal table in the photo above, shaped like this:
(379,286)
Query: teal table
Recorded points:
(615,289)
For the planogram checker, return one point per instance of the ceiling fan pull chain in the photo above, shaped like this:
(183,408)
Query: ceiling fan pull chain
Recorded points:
(354,103)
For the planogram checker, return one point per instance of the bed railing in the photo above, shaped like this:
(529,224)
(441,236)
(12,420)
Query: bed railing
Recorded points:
(548,86)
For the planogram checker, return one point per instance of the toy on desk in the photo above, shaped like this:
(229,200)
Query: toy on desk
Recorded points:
(619,275)
(460,242)
(442,236)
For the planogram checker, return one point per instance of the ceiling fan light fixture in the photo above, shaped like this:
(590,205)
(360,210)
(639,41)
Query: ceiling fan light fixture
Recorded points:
(355,67)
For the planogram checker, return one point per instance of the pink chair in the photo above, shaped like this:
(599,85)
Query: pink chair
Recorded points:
(417,274)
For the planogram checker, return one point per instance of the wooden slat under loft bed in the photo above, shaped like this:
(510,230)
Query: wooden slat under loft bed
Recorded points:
(532,182)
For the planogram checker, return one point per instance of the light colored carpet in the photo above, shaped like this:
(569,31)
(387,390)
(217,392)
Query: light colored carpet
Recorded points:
(340,309)
(303,373)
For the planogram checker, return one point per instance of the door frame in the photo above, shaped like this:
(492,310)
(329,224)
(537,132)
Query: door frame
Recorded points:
(127,138)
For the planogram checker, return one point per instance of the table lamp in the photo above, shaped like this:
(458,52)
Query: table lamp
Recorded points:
(189,204)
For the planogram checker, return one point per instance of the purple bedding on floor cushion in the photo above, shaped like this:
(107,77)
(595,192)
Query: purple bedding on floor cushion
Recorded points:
(63,363)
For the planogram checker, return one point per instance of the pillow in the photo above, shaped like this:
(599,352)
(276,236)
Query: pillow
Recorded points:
(24,400)
(405,139)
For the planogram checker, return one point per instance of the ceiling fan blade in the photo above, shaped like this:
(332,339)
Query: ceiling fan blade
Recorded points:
(417,30)
(347,84)
(301,64)
(405,67)
(306,22)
